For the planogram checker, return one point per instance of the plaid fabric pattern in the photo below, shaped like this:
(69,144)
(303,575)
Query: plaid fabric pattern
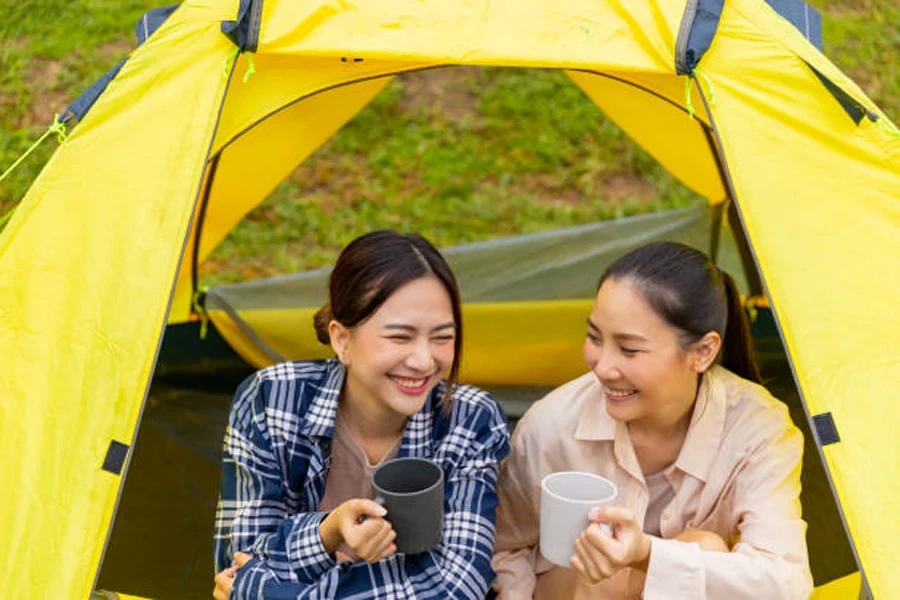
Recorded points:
(275,464)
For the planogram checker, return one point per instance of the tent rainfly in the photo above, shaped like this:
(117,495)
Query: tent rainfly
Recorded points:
(734,98)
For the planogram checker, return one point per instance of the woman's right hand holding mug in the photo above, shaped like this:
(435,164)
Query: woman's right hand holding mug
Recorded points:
(361,525)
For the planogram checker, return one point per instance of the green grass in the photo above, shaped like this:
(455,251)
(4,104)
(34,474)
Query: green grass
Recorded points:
(459,154)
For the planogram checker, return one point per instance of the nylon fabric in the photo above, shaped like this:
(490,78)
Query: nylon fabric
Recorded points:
(80,322)
(538,334)
(801,219)
(88,260)
(652,113)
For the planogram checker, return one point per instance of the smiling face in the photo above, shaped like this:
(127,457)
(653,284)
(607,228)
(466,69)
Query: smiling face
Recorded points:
(396,356)
(647,376)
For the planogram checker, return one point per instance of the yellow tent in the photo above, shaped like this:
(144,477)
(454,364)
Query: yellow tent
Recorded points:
(103,251)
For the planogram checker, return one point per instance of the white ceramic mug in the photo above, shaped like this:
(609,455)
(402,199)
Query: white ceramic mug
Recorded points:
(566,499)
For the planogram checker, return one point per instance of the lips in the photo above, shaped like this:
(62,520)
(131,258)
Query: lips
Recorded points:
(615,395)
(411,385)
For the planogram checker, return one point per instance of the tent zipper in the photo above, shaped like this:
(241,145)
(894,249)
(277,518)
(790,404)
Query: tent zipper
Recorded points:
(684,34)
(255,24)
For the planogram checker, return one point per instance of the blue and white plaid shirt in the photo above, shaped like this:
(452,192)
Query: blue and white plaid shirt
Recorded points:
(276,461)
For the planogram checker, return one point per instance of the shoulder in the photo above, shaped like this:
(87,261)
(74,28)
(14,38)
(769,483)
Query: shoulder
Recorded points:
(287,387)
(751,411)
(293,372)
(474,416)
(470,401)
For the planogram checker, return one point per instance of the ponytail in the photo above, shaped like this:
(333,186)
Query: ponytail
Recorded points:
(737,345)
(321,320)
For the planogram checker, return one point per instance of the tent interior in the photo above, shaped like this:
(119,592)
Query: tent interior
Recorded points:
(161,541)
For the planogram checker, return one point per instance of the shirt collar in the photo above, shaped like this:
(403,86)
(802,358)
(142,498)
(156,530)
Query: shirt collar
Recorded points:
(322,413)
(704,431)
(594,423)
(707,423)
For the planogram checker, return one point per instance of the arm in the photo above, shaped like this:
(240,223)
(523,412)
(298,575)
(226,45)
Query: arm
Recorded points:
(518,523)
(252,515)
(770,560)
(458,568)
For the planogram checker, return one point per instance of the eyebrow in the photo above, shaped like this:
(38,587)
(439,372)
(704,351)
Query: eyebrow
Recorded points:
(632,337)
(411,329)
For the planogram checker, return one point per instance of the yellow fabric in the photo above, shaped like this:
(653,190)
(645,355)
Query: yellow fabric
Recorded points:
(86,268)
(293,120)
(819,198)
(619,35)
(511,343)
(845,588)
(659,123)
(88,261)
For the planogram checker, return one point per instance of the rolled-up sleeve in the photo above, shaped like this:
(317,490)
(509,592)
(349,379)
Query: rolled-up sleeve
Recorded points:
(770,559)
(252,516)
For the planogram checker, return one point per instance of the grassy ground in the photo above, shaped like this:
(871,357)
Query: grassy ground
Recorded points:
(460,154)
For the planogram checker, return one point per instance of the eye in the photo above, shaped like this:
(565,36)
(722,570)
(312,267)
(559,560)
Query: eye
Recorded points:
(399,338)
(594,338)
(629,351)
(442,339)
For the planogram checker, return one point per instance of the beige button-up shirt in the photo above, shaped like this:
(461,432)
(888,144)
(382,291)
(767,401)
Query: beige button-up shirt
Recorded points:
(738,475)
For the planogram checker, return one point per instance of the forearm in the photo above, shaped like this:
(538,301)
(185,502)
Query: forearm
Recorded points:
(515,574)
(257,579)
(679,570)
(295,550)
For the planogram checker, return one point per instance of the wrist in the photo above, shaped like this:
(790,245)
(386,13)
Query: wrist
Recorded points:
(330,533)
(643,561)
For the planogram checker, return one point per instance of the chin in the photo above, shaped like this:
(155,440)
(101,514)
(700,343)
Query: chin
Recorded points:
(408,406)
(622,414)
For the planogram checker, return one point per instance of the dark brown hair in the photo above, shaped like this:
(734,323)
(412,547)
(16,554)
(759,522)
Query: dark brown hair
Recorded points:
(374,266)
(686,289)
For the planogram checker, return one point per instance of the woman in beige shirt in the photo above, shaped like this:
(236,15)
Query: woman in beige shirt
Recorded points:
(707,462)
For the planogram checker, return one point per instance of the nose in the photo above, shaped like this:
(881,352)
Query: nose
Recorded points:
(420,357)
(603,363)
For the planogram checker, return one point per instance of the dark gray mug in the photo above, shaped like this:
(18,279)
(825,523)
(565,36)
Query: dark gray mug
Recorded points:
(412,491)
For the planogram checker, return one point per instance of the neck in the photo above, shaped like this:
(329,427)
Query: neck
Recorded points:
(662,426)
(368,422)
(668,424)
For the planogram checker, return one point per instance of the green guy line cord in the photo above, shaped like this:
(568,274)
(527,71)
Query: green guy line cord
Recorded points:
(57,127)
(688,89)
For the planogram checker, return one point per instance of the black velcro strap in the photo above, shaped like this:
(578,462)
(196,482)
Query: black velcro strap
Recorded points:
(115,457)
(826,430)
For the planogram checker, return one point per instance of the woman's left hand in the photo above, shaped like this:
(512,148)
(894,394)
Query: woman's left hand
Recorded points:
(224,580)
(599,555)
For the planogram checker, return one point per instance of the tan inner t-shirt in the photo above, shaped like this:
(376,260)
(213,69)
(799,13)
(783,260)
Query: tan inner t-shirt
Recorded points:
(350,475)
(661,494)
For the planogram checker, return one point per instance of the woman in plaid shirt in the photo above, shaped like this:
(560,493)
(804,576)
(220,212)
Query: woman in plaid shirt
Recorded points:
(288,525)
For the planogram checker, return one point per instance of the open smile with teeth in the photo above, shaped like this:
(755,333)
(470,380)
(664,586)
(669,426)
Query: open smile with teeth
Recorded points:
(618,394)
(411,385)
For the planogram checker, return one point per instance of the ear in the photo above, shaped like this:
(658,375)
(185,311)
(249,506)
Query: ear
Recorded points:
(340,341)
(704,351)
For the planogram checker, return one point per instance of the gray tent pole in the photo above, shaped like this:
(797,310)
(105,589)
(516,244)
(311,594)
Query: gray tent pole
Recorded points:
(715,234)
(740,238)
